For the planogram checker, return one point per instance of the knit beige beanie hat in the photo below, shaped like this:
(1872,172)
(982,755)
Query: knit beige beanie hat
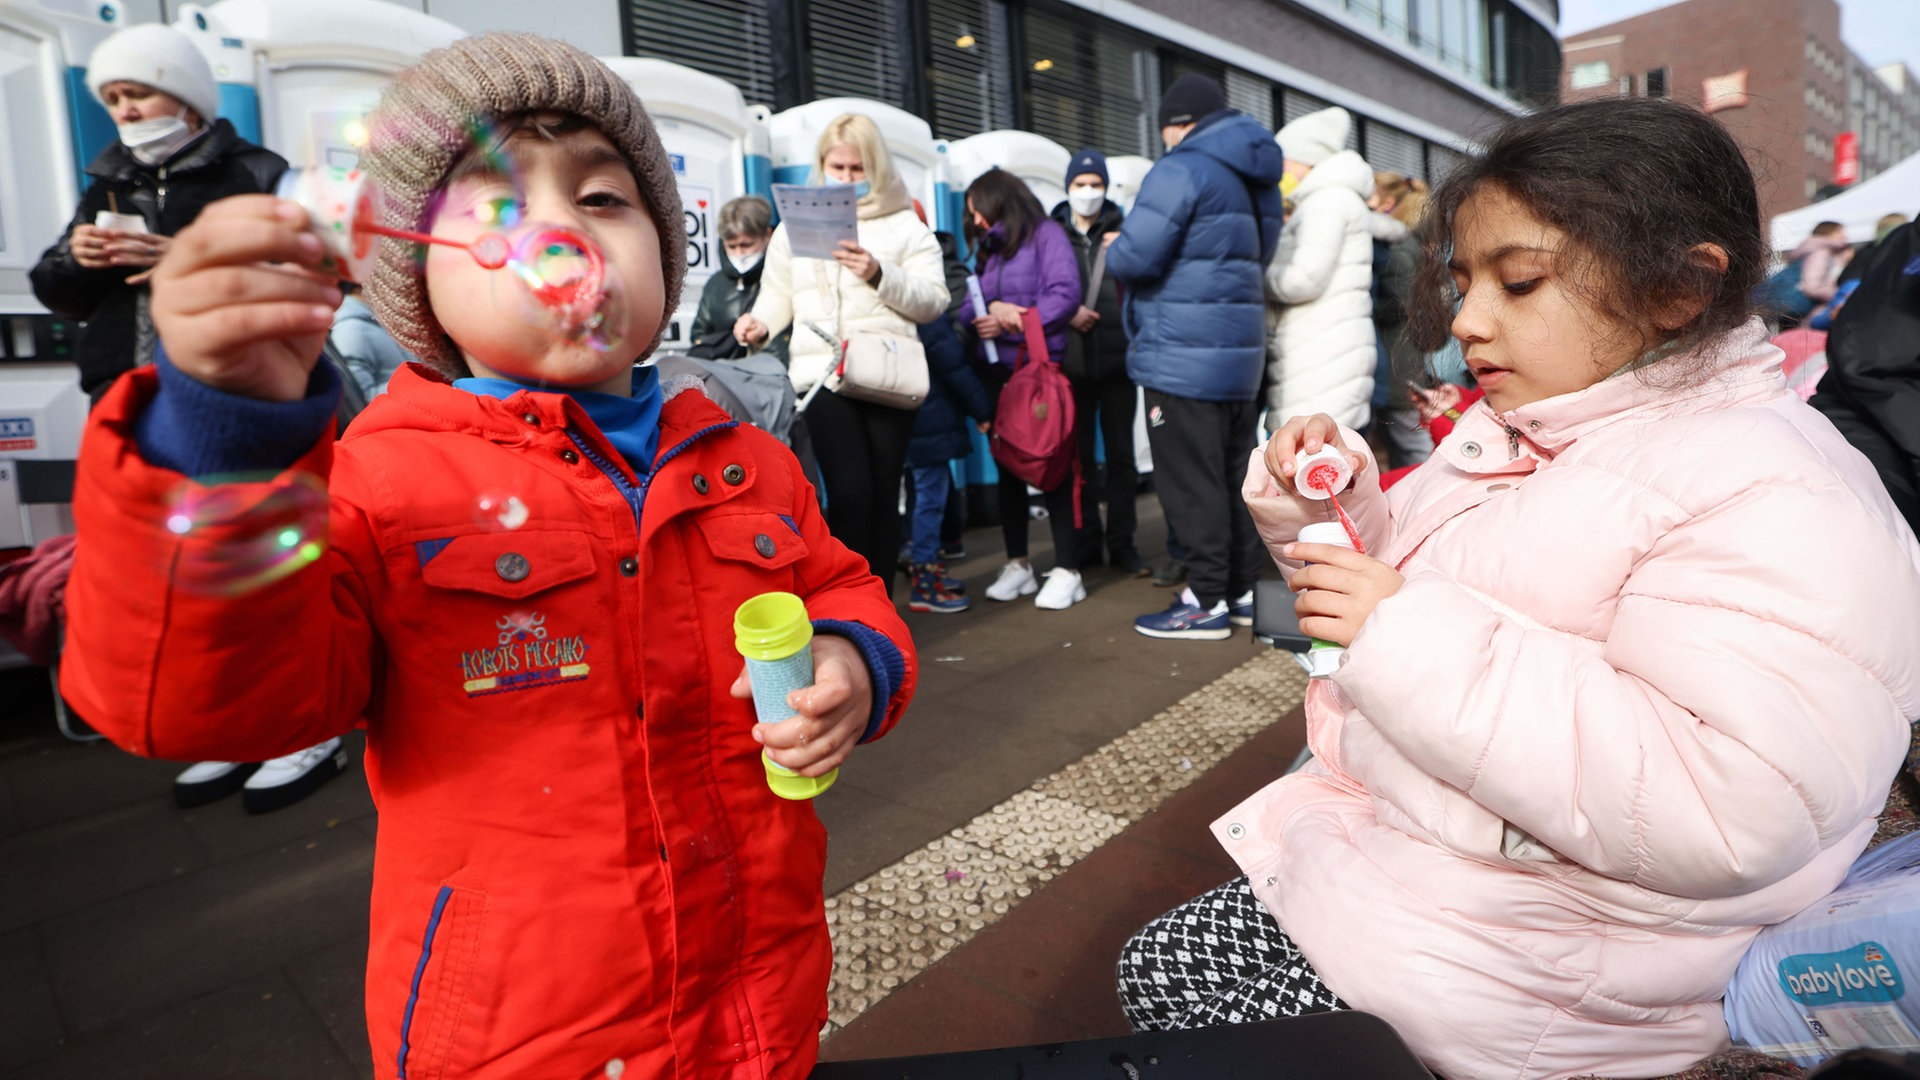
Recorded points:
(432,115)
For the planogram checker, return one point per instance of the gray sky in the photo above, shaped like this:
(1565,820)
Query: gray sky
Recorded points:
(1881,31)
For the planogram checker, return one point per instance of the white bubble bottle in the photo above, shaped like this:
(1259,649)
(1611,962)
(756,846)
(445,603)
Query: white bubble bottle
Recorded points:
(1309,472)
(1322,658)
(775,636)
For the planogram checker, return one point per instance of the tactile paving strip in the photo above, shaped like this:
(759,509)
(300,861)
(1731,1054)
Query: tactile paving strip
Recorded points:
(896,923)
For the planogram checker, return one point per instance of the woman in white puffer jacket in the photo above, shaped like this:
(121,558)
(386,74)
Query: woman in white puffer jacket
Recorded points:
(1321,352)
(891,280)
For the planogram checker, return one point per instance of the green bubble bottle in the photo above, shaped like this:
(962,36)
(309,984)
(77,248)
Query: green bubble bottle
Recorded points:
(775,636)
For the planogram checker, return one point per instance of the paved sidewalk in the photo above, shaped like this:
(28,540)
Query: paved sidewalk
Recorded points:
(141,941)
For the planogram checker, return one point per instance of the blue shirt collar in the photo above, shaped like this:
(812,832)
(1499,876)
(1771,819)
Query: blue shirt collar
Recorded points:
(631,424)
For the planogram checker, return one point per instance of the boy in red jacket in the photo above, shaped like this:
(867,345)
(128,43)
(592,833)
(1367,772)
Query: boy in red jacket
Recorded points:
(523,576)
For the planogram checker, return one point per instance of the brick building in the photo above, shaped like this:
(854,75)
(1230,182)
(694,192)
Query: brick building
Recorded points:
(1779,77)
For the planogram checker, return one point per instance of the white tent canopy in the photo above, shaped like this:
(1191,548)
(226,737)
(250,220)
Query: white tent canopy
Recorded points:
(1895,191)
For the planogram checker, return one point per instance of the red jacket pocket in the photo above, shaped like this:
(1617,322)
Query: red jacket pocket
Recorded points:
(511,564)
(768,541)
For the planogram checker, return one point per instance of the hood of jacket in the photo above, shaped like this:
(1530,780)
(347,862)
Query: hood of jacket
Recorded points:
(1345,169)
(1239,142)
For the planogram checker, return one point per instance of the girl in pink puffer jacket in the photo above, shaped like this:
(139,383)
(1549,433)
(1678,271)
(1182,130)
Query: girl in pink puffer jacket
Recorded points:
(1630,665)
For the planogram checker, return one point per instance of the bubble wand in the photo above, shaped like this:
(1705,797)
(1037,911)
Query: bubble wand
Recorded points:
(1325,472)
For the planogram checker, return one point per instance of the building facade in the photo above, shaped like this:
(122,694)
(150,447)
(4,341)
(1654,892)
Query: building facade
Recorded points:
(1776,72)
(1421,77)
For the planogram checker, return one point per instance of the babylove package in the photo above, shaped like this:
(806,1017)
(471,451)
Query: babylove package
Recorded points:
(1834,977)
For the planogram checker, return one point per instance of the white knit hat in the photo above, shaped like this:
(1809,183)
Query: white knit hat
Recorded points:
(161,57)
(1315,137)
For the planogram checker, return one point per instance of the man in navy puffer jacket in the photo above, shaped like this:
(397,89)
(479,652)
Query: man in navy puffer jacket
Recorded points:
(1192,254)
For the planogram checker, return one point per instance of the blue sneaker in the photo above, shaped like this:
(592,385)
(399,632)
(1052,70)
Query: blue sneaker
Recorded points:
(931,595)
(1185,620)
(1240,612)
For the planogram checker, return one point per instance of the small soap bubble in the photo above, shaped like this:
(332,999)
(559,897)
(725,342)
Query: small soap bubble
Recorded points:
(242,533)
(495,510)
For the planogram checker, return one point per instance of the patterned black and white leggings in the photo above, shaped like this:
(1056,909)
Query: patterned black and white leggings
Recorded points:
(1217,959)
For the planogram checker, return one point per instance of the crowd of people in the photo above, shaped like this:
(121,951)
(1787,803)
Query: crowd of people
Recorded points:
(1596,724)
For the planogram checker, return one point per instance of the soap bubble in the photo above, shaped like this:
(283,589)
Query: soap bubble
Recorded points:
(556,278)
(245,533)
(494,510)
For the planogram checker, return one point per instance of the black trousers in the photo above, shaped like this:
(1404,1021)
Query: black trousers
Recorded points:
(862,449)
(1013,494)
(1200,451)
(1107,406)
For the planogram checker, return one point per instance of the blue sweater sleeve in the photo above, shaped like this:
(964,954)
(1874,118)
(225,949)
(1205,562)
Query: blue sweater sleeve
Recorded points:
(884,662)
(194,429)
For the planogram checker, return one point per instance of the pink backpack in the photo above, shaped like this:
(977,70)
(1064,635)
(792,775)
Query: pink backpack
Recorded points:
(1033,427)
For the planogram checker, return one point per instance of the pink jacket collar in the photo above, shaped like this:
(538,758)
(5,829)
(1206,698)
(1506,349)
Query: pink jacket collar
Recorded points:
(1746,368)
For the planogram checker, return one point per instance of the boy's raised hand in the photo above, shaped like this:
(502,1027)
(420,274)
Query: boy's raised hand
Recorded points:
(1308,433)
(236,303)
(829,716)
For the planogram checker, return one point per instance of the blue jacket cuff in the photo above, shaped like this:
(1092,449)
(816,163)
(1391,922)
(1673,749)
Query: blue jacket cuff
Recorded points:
(194,429)
(884,662)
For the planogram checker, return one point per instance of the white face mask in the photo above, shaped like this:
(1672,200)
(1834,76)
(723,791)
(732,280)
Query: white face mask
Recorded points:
(744,263)
(1086,201)
(154,141)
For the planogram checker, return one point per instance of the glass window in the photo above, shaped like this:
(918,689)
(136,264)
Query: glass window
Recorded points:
(1590,74)
(1090,85)
(970,73)
(725,38)
(855,47)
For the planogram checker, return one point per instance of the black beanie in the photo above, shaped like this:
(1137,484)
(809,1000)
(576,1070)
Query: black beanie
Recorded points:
(1190,99)
(1087,161)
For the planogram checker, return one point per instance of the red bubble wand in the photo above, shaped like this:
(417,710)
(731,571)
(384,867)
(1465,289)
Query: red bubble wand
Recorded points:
(1324,477)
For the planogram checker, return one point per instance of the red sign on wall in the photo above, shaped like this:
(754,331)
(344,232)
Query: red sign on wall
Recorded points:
(1846,158)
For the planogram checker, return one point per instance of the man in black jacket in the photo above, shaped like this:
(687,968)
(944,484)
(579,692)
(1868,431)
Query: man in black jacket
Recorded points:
(1096,362)
(173,157)
(1871,390)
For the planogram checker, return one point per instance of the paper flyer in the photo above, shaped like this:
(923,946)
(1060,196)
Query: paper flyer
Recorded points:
(817,218)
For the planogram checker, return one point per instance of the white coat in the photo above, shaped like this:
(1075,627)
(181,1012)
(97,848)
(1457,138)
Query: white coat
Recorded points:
(1320,351)
(912,290)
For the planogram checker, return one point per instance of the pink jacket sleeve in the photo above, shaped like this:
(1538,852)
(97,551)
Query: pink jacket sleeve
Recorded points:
(1729,728)
(1279,516)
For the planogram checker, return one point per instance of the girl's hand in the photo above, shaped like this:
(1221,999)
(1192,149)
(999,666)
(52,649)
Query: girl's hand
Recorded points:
(1338,589)
(829,716)
(1084,319)
(859,260)
(137,249)
(748,330)
(237,303)
(987,327)
(1007,315)
(1308,433)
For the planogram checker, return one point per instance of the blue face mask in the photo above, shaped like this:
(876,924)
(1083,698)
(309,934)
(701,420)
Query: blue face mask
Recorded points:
(861,189)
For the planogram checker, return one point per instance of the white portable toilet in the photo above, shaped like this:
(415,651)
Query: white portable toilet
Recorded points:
(711,138)
(316,69)
(1035,159)
(1124,175)
(52,128)
(916,154)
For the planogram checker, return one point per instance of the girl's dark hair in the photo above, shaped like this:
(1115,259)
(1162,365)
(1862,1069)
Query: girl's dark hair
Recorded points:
(1003,199)
(1635,184)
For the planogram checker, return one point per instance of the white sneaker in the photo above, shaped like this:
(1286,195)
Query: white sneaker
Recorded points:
(1062,590)
(286,780)
(1015,581)
(210,781)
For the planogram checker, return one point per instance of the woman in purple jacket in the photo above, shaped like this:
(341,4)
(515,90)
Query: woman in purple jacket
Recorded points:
(1026,261)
